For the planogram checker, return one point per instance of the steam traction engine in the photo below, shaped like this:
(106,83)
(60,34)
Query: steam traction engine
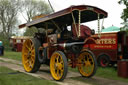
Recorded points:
(59,46)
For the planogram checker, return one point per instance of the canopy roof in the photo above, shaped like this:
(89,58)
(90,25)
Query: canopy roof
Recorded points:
(111,29)
(64,17)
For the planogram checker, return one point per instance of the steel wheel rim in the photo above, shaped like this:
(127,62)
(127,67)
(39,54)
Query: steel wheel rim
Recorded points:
(57,66)
(28,55)
(86,64)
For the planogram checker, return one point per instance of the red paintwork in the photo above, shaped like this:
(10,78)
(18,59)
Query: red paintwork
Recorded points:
(107,44)
(73,61)
(59,21)
(106,41)
(123,69)
(102,63)
(17,43)
(84,31)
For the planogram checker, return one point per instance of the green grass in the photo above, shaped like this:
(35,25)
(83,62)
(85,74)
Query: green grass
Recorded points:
(86,80)
(10,77)
(83,79)
(110,73)
(12,55)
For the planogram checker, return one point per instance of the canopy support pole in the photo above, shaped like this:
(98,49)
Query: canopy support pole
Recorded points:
(74,24)
(56,25)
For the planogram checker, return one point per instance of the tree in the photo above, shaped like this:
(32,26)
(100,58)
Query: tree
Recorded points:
(8,16)
(31,8)
(124,15)
(30,31)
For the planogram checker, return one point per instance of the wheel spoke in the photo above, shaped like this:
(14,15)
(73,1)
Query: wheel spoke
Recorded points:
(30,64)
(32,57)
(29,43)
(33,52)
(57,72)
(62,71)
(58,62)
(60,66)
(27,61)
(61,62)
(86,62)
(87,69)
(28,47)
(32,46)
(57,58)
(26,54)
(89,64)
(87,57)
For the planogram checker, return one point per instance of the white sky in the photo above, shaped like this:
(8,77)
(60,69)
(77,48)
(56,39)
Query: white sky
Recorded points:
(111,6)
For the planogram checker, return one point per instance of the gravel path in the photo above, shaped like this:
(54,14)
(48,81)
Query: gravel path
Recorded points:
(44,73)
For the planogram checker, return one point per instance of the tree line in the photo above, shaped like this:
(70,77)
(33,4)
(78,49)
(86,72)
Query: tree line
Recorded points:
(124,15)
(11,9)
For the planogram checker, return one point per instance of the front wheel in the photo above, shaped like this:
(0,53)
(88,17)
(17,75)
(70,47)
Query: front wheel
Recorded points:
(30,55)
(58,65)
(87,64)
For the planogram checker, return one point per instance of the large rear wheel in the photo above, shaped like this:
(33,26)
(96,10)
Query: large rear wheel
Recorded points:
(58,65)
(30,55)
(87,64)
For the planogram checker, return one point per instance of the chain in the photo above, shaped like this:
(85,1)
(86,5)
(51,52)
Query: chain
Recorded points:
(99,33)
(79,22)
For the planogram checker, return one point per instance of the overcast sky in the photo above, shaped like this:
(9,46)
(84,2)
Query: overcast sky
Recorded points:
(111,6)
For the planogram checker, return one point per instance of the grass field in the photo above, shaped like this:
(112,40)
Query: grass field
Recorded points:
(10,77)
(109,72)
(12,55)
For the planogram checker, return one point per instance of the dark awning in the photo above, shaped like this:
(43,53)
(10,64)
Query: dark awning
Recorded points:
(64,17)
